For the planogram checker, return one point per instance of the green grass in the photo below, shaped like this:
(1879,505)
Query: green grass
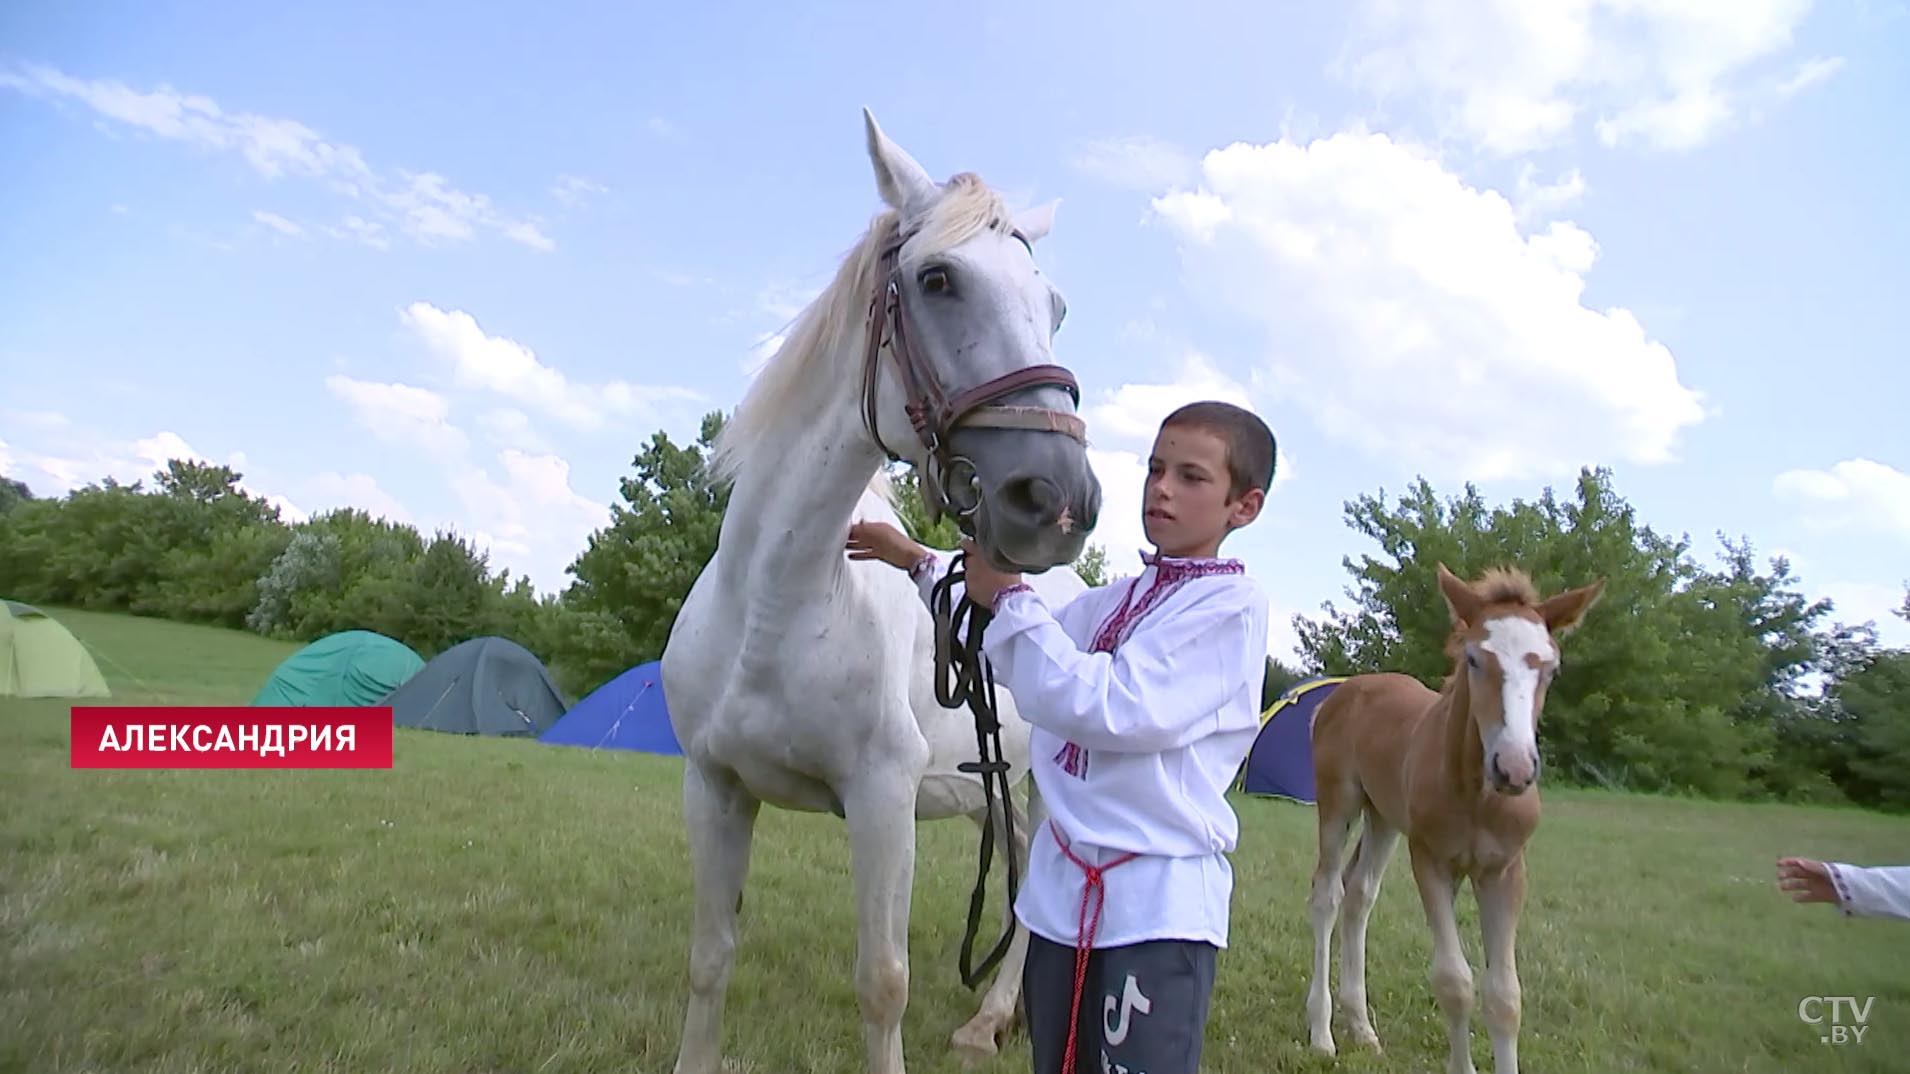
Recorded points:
(490,906)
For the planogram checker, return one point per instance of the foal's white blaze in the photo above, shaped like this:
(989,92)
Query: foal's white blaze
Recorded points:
(1523,647)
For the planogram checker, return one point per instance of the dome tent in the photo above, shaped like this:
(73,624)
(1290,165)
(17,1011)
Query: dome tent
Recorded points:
(626,713)
(484,686)
(349,668)
(1280,763)
(39,657)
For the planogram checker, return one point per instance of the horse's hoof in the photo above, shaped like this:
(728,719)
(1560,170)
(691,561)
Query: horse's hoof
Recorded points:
(1367,1038)
(973,1045)
(1323,1043)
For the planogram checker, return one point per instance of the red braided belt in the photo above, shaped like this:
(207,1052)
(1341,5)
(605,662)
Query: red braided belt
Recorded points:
(1084,933)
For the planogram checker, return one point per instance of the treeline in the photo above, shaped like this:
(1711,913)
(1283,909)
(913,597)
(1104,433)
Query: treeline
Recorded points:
(1721,679)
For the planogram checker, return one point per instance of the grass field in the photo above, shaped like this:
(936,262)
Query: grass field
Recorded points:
(492,906)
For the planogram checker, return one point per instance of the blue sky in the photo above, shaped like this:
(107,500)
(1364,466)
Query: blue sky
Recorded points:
(457,263)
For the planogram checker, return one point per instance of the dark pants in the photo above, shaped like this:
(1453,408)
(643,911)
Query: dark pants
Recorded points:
(1143,1006)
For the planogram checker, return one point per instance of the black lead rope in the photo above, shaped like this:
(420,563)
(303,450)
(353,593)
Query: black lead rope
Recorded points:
(973,682)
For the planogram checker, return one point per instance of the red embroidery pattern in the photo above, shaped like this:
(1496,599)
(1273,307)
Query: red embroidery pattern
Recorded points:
(1169,576)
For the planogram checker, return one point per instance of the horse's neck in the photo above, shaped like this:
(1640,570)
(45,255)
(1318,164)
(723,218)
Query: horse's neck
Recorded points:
(1459,740)
(795,506)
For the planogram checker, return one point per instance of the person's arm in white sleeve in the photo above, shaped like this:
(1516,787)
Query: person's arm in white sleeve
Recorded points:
(1165,686)
(1872,891)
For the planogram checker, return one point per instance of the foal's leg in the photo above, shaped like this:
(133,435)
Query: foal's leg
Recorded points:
(1451,974)
(721,817)
(1337,807)
(981,1037)
(880,810)
(1377,842)
(1500,899)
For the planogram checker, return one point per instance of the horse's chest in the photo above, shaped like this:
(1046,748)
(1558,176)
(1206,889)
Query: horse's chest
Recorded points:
(1474,841)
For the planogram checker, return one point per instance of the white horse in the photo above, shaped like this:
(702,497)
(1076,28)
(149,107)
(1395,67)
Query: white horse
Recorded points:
(803,679)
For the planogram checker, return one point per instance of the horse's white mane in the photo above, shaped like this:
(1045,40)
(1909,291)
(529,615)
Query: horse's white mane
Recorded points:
(834,324)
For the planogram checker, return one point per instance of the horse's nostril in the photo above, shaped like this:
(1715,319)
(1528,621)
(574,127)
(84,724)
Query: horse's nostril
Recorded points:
(1036,496)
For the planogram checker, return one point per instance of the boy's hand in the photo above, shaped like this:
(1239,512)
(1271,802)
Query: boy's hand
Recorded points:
(983,581)
(1805,880)
(879,540)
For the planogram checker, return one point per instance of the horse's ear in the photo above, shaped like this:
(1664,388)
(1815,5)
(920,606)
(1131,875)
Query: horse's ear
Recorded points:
(1563,612)
(1034,224)
(1461,599)
(903,183)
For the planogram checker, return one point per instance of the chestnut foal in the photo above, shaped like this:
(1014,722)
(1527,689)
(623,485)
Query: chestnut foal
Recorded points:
(1456,772)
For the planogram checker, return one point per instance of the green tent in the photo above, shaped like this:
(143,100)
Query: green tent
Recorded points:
(350,668)
(41,658)
(485,686)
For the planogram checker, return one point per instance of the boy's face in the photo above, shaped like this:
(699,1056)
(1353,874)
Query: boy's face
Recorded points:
(1185,509)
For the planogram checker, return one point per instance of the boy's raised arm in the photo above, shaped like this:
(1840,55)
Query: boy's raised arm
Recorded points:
(1159,690)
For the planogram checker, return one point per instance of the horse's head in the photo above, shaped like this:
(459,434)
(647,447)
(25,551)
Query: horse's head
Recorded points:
(964,386)
(1506,639)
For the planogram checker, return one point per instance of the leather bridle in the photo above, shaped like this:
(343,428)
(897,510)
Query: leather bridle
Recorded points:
(962,674)
(932,411)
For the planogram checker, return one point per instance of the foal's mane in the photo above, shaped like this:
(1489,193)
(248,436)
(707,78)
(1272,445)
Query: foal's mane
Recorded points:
(1495,586)
(832,328)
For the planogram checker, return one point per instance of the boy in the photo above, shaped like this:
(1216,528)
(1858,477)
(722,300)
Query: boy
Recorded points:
(1144,700)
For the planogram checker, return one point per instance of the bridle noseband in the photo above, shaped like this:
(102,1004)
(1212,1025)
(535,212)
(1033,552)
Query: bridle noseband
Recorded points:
(931,410)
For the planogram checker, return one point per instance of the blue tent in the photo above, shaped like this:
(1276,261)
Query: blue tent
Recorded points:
(1280,764)
(626,713)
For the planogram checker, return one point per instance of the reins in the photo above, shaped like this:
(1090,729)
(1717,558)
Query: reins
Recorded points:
(963,676)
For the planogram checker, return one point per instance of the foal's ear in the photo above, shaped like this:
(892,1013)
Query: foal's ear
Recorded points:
(1563,612)
(1461,599)
(902,182)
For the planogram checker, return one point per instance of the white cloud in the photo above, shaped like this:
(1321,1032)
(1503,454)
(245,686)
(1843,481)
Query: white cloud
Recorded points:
(1138,163)
(332,490)
(574,190)
(401,414)
(6,460)
(1855,494)
(278,223)
(1540,201)
(532,522)
(1409,315)
(422,205)
(505,367)
(509,427)
(1515,76)
(1811,72)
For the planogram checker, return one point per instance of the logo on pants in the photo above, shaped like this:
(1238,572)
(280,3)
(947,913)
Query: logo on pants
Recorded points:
(1115,1015)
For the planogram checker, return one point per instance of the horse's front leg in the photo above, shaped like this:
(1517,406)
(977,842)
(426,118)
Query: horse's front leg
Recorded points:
(1500,899)
(880,811)
(721,818)
(1451,974)
(981,1037)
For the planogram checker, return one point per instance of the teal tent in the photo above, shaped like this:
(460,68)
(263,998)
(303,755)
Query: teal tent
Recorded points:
(350,668)
(485,686)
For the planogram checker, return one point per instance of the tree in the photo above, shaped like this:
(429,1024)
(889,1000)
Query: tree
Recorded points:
(13,493)
(635,573)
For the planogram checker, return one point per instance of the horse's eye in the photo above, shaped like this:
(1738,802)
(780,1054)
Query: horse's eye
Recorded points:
(935,280)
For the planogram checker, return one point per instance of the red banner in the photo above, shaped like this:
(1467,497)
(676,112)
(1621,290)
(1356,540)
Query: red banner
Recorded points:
(241,736)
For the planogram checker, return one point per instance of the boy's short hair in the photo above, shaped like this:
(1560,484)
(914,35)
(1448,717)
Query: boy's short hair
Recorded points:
(1250,444)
